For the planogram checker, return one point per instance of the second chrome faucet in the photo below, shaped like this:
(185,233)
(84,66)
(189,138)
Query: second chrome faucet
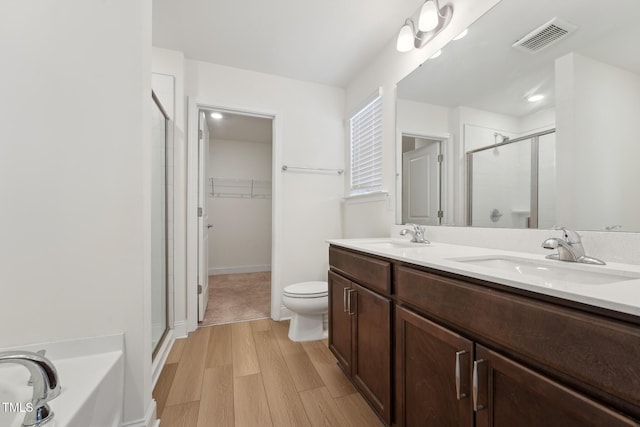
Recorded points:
(569,248)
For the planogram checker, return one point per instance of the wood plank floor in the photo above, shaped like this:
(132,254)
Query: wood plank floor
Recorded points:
(250,374)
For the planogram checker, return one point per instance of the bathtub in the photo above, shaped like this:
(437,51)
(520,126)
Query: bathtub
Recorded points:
(91,375)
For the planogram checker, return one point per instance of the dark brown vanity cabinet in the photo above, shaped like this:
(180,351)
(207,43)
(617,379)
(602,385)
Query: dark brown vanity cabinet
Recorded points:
(440,382)
(467,371)
(469,353)
(509,394)
(360,325)
(433,382)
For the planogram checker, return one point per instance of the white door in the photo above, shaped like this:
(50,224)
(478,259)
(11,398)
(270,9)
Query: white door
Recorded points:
(203,218)
(421,185)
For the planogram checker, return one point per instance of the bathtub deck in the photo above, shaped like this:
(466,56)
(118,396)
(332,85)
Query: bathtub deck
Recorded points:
(250,374)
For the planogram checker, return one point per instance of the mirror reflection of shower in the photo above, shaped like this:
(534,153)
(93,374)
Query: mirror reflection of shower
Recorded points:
(510,181)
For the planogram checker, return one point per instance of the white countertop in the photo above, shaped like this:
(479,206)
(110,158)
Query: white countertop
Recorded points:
(622,296)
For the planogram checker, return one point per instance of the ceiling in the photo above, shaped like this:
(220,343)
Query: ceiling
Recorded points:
(325,42)
(484,71)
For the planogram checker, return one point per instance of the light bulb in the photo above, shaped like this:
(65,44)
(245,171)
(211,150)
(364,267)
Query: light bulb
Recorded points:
(405,38)
(428,16)
(535,98)
(461,35)
(435,55)
(216,115)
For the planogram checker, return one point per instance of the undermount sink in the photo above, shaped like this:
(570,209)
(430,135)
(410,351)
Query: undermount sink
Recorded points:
(551,271)
(392,244)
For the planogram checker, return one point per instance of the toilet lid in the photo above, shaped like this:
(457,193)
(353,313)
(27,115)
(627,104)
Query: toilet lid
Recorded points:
(307,290)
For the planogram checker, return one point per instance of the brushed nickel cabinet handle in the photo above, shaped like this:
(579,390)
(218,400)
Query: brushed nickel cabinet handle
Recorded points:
(351,313)
(344,300)
(460,394)
(476,405)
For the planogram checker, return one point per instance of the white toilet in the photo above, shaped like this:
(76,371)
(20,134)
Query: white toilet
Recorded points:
(308,301)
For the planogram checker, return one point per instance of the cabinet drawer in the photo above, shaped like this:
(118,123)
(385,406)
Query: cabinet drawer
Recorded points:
(370,272)
(598,353)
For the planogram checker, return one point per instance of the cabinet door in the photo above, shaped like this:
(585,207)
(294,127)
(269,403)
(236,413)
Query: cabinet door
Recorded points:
(371,370)
(508,394)
(340,321)
(433,374)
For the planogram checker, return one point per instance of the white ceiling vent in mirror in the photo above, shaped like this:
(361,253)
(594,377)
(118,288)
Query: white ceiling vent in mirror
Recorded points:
(545,35)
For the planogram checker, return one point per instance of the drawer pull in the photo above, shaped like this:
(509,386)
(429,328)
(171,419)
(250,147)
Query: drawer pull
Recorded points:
(460,394)
(351,313)
(344,300)
(476,367)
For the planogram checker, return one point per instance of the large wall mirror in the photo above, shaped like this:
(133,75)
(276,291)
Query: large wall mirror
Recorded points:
(531,120)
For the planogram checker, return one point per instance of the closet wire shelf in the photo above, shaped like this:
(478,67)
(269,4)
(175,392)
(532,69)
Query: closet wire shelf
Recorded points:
(239,188)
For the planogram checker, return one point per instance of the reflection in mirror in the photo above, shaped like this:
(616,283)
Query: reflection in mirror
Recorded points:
(523,169)
(492,101)
(421,192)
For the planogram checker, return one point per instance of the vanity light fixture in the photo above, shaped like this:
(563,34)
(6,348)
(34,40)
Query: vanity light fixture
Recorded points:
(432,20)
(535,98)
(216,115)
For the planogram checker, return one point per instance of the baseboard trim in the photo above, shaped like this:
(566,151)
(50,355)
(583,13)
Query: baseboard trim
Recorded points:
(180,329)
(149,419)
(239,269)
(285,313)
(161,357)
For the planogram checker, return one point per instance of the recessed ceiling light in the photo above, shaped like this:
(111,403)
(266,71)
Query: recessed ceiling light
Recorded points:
(435,55)
(461,35)
(216,115)
(535,98)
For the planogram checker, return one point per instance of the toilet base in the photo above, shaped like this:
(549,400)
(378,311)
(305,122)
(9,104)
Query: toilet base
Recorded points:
(306,327)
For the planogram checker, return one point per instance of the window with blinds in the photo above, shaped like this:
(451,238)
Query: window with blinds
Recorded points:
(366,147)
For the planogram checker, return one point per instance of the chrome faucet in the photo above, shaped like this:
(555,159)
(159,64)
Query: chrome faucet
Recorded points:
(569,248)
(417,231)
(44,378)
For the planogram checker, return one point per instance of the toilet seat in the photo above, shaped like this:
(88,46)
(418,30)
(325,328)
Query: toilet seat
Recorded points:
(306,290)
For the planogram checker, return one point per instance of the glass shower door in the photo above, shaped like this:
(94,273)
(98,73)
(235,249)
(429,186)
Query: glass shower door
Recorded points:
(511,184)
(500,186)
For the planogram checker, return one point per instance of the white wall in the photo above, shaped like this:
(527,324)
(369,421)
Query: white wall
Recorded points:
(309,132)
(419,118)
(598,106)
(385,71)
(240,239)
(171,63)
(74,178)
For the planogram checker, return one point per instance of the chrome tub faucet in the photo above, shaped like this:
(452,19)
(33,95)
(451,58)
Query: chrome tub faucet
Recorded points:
(569,248)
(44,379)
(417,232)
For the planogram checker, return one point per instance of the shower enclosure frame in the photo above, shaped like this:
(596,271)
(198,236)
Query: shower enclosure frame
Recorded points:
(167,309)
(532,221)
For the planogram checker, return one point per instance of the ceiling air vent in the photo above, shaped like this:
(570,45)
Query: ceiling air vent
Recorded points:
(545,35)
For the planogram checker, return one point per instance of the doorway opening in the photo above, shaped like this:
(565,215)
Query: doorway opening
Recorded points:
(235,219)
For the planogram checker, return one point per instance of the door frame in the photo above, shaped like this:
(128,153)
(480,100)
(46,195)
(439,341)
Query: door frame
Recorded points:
(446,174)
(194,106)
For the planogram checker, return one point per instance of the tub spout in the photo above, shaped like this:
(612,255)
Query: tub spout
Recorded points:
(45,384)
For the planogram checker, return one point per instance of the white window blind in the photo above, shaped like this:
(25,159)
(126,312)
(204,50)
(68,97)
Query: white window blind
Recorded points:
(366,148)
